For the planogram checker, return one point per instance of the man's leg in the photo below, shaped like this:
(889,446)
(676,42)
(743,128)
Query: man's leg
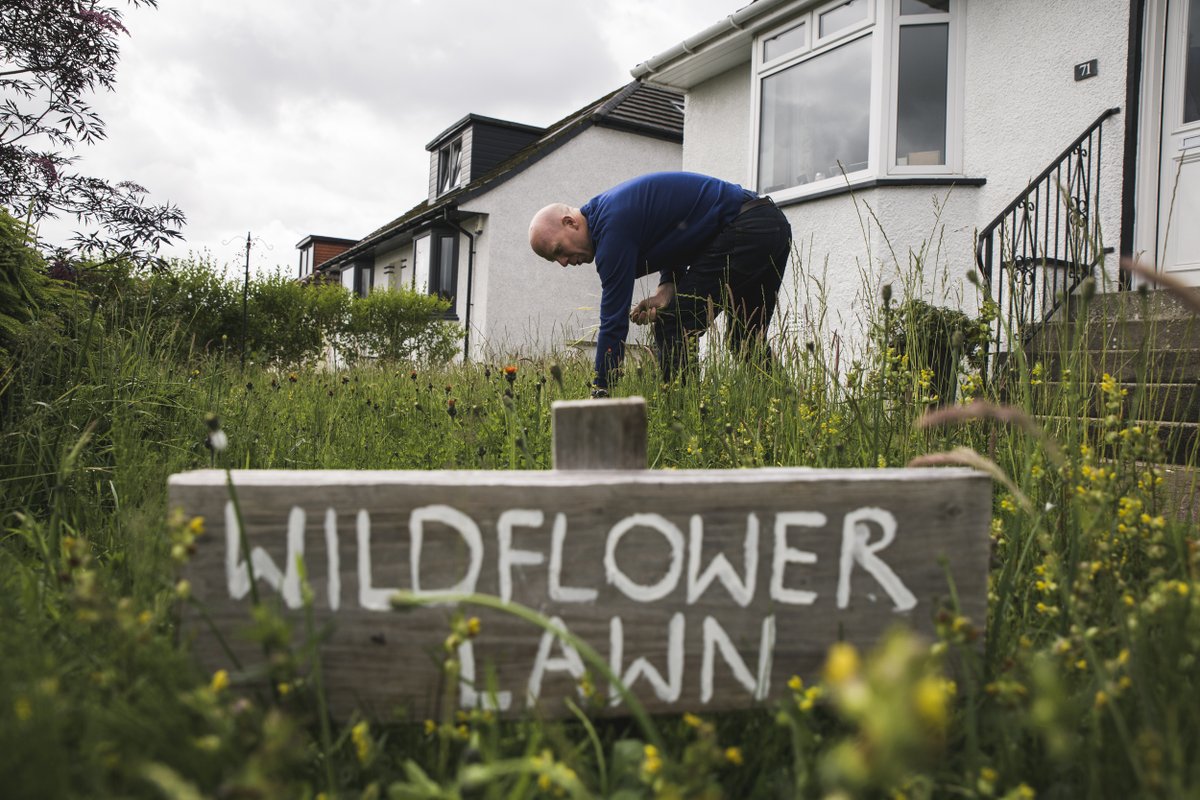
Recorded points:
(755,278)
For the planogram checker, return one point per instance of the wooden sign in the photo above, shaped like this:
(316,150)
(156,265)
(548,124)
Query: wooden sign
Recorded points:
(704,590)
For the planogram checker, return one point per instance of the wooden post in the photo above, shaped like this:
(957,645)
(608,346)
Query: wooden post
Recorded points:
(600,434)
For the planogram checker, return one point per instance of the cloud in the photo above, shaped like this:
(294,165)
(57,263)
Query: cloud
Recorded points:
(291,118)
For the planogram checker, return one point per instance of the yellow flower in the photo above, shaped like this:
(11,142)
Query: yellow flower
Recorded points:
(361,735)
(544,782)
(930,701)
(430,727)
(196,526)
(474,626)
(220,680)
(1101,699)
(691,720)
(734,755)
(23,708)
(841,665)
(795,683)
(988,774)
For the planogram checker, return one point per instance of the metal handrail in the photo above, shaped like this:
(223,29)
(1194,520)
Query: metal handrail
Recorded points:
(1048,239)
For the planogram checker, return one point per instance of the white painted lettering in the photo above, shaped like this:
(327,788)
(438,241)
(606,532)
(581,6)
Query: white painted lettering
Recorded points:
(855,548)
(466,528)
(714,637)
(563,594)
(568,662)
(468,695)
(369,597)
(785,555)
(667,690)
(237,571)
(631,589)
(508,557)
(742,591)
(333,559)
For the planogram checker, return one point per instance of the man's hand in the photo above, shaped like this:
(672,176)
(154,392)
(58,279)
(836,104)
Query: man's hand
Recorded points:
(647,310)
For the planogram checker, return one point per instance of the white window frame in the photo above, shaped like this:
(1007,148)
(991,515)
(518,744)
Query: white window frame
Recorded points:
(444,153)
(955,62)
(882,23)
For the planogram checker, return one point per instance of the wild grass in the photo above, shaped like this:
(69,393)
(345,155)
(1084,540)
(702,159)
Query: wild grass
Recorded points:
(1079,683)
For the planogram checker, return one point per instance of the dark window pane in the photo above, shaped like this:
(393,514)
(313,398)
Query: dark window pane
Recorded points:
(843,16)
(445,266)
(924,6)
(1191,78)
(783,43)
(814,115)
(449,161)
(921,95)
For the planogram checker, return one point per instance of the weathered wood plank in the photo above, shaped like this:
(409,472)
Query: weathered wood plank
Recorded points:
(600,434)
(654,562)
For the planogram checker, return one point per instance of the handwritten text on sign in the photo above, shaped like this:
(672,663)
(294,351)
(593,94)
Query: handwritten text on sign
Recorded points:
(703,589)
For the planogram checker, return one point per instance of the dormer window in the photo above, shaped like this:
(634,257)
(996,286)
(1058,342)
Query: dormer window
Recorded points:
(449,166)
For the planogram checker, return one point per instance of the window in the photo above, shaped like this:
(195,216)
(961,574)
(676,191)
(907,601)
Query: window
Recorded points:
(853,90)
(449,166)
(444,275)
(305,266)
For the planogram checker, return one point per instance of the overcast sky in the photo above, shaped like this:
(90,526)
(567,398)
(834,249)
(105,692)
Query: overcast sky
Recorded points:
(283,118)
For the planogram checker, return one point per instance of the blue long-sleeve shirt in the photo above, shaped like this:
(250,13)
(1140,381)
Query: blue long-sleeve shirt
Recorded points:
(652,223)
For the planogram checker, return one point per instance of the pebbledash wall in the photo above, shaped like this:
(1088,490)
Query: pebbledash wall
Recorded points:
(520,303)
(1021,108)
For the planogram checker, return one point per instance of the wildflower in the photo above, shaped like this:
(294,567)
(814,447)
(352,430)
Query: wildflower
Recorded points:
(652,763)
(1101,699)
(23,708)
(217,440)
(930,701)
(284,688)
(473,626)
(361,735)
(510,373)
(430,725)
(556,373)
(841,665)
(196,526)
(451,408)
(183,589)
(691,720)
(795,683)
(734,755)
(220,680)
(293,377)
(544,782)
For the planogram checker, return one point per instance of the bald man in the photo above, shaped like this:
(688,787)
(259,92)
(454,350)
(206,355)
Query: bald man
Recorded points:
(713,243)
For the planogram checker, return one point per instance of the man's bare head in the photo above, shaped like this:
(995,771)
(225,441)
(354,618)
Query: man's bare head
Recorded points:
(560,233)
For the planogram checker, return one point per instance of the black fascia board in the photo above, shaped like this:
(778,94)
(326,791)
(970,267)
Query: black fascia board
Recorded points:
(461,125)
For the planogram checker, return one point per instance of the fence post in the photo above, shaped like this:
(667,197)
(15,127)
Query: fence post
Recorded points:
(600,434)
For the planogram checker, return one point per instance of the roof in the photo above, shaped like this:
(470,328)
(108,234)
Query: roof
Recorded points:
(313,238)
(637,107)
(474,118)
(719,47)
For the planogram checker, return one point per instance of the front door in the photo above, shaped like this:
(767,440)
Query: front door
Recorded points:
(1179,171)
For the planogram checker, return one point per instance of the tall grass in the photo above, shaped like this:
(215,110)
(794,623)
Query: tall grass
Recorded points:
(1079,683)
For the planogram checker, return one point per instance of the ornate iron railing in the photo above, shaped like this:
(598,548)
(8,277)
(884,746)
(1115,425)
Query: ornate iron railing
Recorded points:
(1040,248)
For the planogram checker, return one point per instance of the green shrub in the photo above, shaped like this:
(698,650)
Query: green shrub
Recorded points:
(934,338)
(400,325)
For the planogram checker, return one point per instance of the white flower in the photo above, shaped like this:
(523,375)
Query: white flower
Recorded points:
(218,441)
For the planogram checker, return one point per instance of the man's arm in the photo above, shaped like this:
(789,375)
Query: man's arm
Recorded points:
(617,269)
(647,310)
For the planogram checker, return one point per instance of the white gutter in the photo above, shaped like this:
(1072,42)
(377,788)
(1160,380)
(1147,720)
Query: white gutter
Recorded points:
(731,24)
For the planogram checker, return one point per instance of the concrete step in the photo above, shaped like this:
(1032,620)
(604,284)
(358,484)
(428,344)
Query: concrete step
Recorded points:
(1166,366)
(1180,441)
(1155,304)
(1164,402)
(1132,334)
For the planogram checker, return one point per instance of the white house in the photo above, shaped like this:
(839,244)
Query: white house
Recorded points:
(468,240)
(894,132)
